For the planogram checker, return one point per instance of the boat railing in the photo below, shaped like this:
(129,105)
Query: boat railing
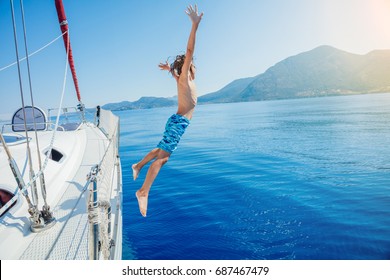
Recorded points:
(49,126)
(100,181)
(8,126)
(68,115)
(71,119)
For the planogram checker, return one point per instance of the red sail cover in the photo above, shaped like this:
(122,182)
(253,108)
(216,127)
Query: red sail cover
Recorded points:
(64,28)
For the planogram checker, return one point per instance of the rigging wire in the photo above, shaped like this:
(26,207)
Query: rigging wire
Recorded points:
(29,156)
(35,52)
(33,180)
(42,177)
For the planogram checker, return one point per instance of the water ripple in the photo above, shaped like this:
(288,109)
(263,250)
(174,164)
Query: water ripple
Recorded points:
(295,179)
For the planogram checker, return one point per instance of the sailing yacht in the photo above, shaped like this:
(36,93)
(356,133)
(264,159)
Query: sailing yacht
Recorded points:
(60,179)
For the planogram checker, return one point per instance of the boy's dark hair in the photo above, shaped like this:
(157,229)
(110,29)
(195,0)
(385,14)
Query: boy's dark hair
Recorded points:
(177,64)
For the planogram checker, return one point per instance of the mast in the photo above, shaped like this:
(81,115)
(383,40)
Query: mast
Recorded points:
(64,28)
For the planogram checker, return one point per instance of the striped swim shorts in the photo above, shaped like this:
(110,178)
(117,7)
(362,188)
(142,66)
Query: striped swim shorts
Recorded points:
(174,129)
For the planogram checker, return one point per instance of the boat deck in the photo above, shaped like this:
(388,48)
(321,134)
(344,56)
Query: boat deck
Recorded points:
(68,238)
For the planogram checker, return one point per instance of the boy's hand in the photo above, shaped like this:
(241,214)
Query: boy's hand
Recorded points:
(164,66)
(193,14)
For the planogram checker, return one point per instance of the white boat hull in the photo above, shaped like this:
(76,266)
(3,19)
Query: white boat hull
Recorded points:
(68,194)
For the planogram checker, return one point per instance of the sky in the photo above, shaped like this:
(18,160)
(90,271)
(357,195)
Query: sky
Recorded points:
(118,44)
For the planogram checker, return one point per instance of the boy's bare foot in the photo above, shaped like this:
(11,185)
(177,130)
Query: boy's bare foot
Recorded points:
(142,203)
(135,171)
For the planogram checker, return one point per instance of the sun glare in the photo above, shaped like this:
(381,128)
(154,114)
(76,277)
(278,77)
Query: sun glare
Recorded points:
(380,15)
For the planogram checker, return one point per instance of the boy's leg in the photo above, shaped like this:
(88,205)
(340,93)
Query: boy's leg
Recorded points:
(139,165)
(143,193)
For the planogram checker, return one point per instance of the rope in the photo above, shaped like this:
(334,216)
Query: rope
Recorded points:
(33,53)
(60,106)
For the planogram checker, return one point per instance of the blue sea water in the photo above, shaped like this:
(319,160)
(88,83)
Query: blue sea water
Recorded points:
(289,179)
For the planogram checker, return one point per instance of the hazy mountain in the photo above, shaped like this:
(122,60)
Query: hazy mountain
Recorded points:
(229,92)
(322,71)
(142,103)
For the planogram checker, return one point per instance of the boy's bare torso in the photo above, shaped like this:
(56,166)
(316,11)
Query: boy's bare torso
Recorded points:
(187,97)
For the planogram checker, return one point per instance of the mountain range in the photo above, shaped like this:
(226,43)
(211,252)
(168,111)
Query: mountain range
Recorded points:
(142,103)
(322,71)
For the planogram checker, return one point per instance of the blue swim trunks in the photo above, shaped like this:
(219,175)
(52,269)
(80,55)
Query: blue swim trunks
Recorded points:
(174,129)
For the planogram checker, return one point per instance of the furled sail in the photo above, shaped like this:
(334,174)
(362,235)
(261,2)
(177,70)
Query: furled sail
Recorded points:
(64,28)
